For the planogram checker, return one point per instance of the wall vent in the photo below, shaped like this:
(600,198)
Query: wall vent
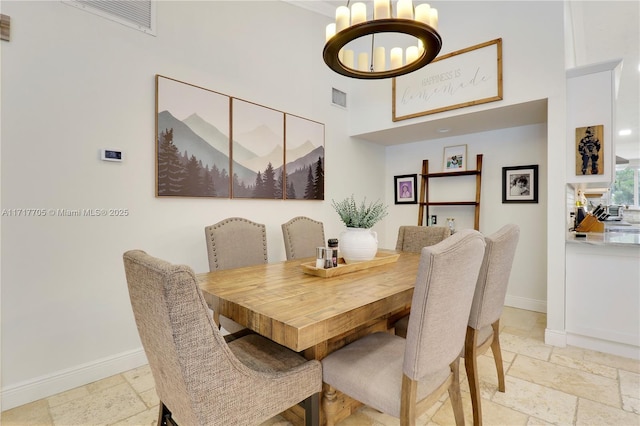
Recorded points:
(137,14)
(338,97)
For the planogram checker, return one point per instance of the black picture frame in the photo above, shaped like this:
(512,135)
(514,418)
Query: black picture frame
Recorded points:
(520,184)
(404,188)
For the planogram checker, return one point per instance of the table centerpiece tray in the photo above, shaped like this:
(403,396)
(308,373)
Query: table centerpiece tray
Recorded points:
(382,258)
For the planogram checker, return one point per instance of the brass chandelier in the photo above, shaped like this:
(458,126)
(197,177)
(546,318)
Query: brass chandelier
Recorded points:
(420,22)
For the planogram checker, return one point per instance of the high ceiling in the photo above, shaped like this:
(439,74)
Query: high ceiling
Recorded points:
(608,30)
(602,31)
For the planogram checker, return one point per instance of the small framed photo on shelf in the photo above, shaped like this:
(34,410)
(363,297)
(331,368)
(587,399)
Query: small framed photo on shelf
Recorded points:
(520,184)
(455,158)
(405,189)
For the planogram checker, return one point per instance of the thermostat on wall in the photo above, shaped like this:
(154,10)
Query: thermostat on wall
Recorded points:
(110,155)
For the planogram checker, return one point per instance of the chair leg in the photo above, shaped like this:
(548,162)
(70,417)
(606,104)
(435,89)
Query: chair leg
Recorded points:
(471,366)
(497,354)
(312,410)
(329,405)
(164,416)
(455,395)
(408,401)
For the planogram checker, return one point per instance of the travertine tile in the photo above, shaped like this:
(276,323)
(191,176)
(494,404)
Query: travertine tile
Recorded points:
(594,413)
(593,357)
(534,421)
(105,383)
(149,397)
(146,418)
(525,345)
(100,408)
(558,357)
(539,401)
(568,380)
(545,386)
(630,391)
(520,318)
(140,379)
(614,361)
(34,413)
(366,417)
(70,395)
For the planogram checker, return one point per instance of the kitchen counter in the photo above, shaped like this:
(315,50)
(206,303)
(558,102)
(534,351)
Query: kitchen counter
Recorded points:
(616,234)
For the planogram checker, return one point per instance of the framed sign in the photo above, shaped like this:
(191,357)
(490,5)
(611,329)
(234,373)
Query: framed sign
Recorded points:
(520,184)
(405,189)
(459,79)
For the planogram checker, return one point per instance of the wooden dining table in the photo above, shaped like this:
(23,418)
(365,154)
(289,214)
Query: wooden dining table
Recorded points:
(311,314)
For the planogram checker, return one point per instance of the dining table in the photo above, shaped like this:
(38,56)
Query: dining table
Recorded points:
(315,312)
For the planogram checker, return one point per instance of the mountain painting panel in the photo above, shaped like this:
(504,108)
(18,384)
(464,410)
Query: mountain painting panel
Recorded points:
(192,140)
(304,159)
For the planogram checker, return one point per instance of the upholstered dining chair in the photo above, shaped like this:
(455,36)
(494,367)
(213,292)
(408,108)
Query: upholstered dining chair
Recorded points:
(233,243)
(483,329)
(404,377)
(200,378)
(301,237)
(413,238)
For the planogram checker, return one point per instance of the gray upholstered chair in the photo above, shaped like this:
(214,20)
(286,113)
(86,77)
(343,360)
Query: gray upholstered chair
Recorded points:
(413,238)
(483,329)
(233,243)
(403,377)
(200,378)
(301,237)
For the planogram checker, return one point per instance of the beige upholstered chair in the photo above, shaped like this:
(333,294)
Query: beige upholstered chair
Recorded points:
(236,242)
(301,237)
(413,238)
(199,378)
(233,243)
(484,321)
(403,377)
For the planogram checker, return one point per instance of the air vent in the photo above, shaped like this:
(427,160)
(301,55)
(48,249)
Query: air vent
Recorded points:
(138,14)
(338,98)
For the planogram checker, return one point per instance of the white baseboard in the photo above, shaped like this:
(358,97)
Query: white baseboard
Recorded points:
(525,303)
(51,384)
(555,337)
(606,346)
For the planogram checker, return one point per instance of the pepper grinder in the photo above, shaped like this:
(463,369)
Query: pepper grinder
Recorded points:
(333,246)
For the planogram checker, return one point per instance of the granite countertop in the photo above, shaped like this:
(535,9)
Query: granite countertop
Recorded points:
(616,233)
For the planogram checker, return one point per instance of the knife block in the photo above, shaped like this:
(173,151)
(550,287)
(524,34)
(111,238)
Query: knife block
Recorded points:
(590,224)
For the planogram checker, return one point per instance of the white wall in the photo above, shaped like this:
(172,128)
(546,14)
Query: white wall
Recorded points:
(519,146)
(74,83)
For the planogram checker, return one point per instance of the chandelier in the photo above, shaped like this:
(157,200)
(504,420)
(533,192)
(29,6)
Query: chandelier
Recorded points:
(420,22)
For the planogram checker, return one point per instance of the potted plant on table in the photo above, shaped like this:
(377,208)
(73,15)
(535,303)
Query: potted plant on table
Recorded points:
(358,242)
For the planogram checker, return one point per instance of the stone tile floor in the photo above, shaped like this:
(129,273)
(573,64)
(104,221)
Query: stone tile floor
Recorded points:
(545,385)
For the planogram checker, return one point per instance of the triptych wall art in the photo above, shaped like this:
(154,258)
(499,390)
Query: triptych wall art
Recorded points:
(213,145)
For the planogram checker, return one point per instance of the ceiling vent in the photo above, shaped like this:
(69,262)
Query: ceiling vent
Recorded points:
(137,14)
(338,98)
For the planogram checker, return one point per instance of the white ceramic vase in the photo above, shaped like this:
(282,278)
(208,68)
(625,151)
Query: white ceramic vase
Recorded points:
(358,244)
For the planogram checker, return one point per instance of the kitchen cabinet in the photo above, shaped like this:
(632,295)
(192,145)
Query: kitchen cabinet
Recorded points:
(603,313)
(591,95)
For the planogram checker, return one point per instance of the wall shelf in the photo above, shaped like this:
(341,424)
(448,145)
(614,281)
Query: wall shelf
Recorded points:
(424,203)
